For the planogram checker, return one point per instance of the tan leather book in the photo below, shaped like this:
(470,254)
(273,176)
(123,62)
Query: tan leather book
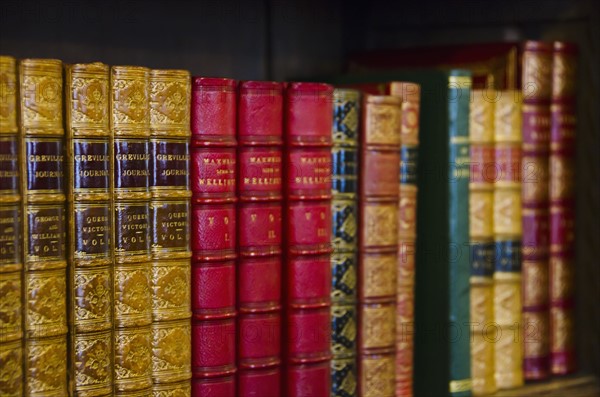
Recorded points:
(11,262)
(378,244)
(481,233)
(170,236)
(130,131)
(44,227)
(89,214)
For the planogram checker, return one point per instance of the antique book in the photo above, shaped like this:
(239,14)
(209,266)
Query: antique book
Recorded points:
(378,244)
(508,347)
(44,227)
(344,239)
(213,235)
(481,234)
(169,93)
(308,112)
(410,94)
(132,294)
(89,215)
(11,265)
(260,124)
(536,92)
(442,334)
(563,113)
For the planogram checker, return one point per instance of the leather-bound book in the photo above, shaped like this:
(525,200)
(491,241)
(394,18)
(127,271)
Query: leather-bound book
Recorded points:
(344,238)
(481,234)
(213,235)
(132,295)
(44,228)
(508,347)
(307,223)
(260,112)
(170,221)
(11,262)
(89,214)
(378,244)
(536,91)
(563,113)
(410,95)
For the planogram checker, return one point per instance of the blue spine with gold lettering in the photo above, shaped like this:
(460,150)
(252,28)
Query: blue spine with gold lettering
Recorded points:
(346,113)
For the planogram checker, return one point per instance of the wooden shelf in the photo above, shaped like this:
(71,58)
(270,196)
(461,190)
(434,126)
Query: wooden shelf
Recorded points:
(572,386)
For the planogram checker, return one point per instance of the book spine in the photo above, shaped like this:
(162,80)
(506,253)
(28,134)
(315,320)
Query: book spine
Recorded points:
(11,261)
(562,208)
(213,235)
(458,208)
(344,239)
(378,244)
(508,345)
(170,274)
(410,94)
(132,296)
(44,229)
(89,215)
(260,113)
(307,225)
(536,90)
(481,233)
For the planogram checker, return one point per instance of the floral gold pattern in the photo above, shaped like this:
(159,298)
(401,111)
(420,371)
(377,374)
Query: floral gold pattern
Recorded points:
(87,102)
(93,364)
(133,358)
(8,95)
(380,224)
(171,347)
(171,292)
(378,376)
(41,96)
(130,100)
(180,389)
(170,102)
(92,299)
(383,120)
(133,300)
(46,367)
(46,303)
(10,306)
(11,368)
(378,325)
(379,275)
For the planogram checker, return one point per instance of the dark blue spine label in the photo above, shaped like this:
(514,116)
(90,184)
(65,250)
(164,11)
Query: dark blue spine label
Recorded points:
(345,165)
(508,256)
(409,160)
(482,259)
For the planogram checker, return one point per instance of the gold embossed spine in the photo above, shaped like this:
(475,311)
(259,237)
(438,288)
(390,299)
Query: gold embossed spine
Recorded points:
(170,95)
(508,349)
(44,227)
(89,212)
(378,244)
(481,191)
(11,327)
(130,131)
(410,94)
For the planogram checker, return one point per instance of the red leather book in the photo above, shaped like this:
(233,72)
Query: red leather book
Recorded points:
(213,235)
(379,189)
(562,208)
(307,224)
(260,112)
(536,90)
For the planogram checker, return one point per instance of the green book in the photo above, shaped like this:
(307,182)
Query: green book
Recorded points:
(442,331)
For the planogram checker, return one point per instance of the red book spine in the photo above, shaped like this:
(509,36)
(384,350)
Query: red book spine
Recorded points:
(562,208)
(213,235)
(307,222)
(537,84)
(260,112)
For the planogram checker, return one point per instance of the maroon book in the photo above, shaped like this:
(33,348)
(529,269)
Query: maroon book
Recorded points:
(536,90)
(260,112)
(563,115)
(307,222)
(213,235)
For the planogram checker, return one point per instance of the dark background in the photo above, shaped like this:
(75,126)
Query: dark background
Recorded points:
(284,40)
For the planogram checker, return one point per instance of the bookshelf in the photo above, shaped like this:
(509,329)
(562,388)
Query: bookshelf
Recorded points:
(286,39)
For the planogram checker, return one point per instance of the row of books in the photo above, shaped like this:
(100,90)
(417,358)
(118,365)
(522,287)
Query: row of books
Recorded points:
(521,215)
(200,236)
